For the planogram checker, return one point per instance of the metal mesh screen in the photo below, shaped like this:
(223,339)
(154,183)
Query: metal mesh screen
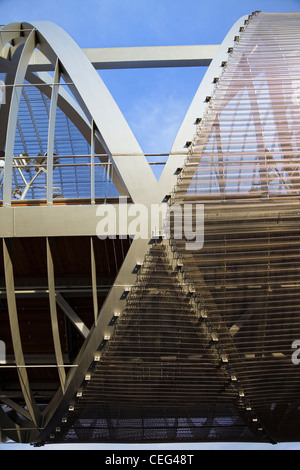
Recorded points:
(216,364)
(244,165)
(160,377)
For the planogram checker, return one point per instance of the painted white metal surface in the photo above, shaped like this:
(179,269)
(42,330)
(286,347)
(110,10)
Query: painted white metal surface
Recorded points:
(138,57)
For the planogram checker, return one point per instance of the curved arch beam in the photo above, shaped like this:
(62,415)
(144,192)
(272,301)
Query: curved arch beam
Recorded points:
(12,54)
(117,137)
(26,53)
(51,132)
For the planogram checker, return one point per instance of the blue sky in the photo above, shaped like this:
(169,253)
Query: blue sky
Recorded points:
(154,102)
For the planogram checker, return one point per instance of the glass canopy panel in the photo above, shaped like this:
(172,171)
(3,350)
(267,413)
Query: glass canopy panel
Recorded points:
(72,155)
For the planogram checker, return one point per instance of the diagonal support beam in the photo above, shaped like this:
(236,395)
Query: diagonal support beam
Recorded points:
(72,315)
(51,133)
(99,106)
(16,407)
(53,314)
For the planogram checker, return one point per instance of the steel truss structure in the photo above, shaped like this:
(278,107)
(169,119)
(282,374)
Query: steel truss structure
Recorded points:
(125,339)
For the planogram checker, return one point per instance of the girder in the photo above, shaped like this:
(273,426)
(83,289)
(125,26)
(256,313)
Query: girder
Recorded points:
(138,57)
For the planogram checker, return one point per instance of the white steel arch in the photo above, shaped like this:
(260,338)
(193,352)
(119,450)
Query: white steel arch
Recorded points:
(95,100)
(198,106)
